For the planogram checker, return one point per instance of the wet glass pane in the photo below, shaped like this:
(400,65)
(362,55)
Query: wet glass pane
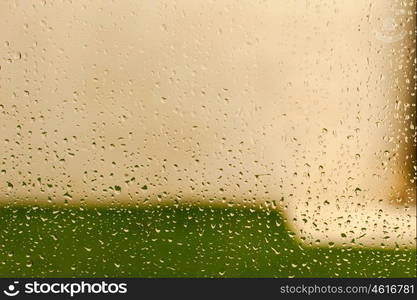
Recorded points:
(207,138)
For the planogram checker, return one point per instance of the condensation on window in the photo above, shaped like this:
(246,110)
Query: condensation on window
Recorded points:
(207,138)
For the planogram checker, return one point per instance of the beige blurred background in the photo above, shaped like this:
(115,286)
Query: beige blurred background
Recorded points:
(303,106)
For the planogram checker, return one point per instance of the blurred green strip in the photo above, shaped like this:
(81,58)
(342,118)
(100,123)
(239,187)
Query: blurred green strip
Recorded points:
(175,242)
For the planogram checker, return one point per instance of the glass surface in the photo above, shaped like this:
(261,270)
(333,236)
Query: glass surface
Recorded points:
(207,138)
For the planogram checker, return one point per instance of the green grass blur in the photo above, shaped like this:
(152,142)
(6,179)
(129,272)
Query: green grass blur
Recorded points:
(175,242)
